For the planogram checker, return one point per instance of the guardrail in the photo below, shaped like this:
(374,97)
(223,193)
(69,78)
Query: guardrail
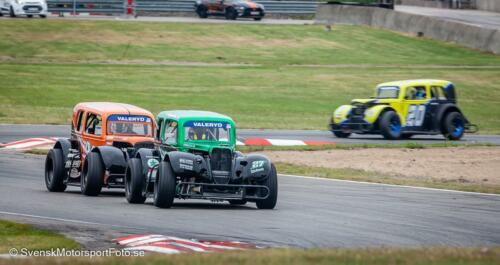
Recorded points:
(282,7)
(158,6)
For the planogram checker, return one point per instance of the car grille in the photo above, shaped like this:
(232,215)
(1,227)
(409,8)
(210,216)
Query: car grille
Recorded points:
(220,159)
(32,8)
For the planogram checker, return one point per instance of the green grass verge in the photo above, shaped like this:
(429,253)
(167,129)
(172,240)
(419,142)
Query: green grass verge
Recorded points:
(428,256)
(49,66)
(375,177)
(14,235)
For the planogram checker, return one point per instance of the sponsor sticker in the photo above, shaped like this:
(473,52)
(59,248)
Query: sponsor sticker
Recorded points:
(257,166)
(186,164)
(152,163)
(129,118)
(207,124)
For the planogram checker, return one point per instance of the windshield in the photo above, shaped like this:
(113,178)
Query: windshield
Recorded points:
(129,125)
(388,92)
(207,131)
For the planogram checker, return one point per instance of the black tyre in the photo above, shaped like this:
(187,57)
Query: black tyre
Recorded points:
(92,175)
(340,134)
(454,126)
(271,183)
(43,16)
(164,191)
(11,12)
(231,14)
(54,171)
(134,181)
(406,135)
(202,12)
(390,125)
(238,202)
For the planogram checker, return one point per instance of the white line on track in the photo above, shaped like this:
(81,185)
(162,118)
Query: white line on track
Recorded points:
(391,185)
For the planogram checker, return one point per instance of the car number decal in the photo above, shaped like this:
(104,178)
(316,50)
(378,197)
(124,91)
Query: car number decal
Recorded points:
(416,114)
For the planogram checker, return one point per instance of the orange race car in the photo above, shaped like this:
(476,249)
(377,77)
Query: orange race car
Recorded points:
(103,136)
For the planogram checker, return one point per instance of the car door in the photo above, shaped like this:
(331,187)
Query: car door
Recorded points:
(414,106)
(93,134)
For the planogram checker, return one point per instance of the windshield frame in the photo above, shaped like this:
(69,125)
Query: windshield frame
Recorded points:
(379,89)
(224,125)
(140,119)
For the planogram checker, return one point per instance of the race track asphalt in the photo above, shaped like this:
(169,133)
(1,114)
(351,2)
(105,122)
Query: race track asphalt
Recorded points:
(310,212)
(9,133)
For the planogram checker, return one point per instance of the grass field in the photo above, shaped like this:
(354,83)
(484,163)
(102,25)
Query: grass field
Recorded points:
(288,76)
(435,256)
(15,235)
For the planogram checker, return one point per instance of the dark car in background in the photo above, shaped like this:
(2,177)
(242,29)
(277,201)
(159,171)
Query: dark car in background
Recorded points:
(230,9)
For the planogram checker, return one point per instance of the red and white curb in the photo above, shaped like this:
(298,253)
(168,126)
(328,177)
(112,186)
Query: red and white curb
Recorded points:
(174,245)
(48,142)
(279,142)
(31,143)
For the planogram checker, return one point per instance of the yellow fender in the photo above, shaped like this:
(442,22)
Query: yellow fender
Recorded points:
(372,114)
(340,114)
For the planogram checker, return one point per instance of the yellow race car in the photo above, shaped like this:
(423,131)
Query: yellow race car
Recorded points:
(402,109)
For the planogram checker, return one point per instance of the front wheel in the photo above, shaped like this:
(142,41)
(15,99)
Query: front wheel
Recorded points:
(164,186)
(54,171)
(454,126)
(340,134)
(390,125)
(92,175)
(134,181)
(272,184)
(202,12)
(231,14)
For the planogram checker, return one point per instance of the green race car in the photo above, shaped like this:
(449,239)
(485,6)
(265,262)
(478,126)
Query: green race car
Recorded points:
(195,158)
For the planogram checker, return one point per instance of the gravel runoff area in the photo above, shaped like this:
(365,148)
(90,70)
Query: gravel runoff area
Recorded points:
(466,164)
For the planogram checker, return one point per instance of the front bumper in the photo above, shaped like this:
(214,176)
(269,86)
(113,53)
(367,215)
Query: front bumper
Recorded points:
(206,191)
(251,13)
(351,126)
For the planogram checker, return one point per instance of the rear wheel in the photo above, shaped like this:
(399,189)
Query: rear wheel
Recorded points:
(454,126)
(390,125)
(272,184)
(134,181)
(202,12)
(92,175)
(341,134)
(231,14)
(164,191)
(54,171)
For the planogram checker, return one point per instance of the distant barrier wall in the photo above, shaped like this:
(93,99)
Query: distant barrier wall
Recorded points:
(483,39)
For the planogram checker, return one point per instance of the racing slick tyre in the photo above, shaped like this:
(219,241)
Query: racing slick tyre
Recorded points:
(238,202)
(54,171)
(92,175)
(134,181)
(406,135)
(231,14)
(11,12)
(164,188)
(390,125)
(454,126)
(272,183)
(202,12)
(340,134)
